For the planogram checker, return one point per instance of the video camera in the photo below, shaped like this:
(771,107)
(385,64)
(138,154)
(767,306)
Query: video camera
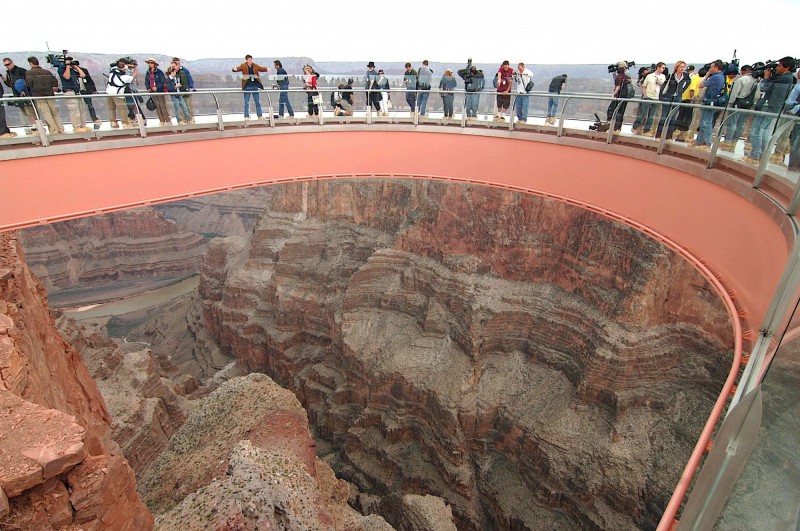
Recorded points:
(727,68)
(613,67)
(58,59)
(599,125)
(469,63)
(760,68)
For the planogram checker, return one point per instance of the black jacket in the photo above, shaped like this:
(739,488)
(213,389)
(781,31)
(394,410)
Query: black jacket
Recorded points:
(40,82)
(88,83)
(12,75)
(473,81)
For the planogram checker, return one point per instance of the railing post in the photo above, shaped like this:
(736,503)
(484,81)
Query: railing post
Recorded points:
(716,141)
(512,112)
(762,165)
(464,111)
(665,129)
(561,118)
(369,107)
(40,126)
(416,107)
(613,120)
(271,110)
(220,124)
(140,121)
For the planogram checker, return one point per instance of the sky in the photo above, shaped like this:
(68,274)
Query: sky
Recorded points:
(551,32)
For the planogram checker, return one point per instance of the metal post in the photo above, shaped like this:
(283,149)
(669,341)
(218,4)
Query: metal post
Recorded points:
(271,110)
(369,107)
(220,124)
(612,120)
(791,210)
(464,110)
(715,144)
(561,118)
(416,107)
(512,113)
(40,126)
(663,139)
(784,298)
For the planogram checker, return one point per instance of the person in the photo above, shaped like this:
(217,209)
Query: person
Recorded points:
(447,85)
(181,78)
(671,91)
(156,81)
(187,84)
(714,83)
(743,96)
(424,77)
(410,82)
(383,84)
(310,86)
(182,113)
(71,86)
(504,77)
(88,87)
(622,92)
(557,84)
(373,97)
(251,84)
(775,89)
(684,120)
(473,85)
(119,78)
(793,109)
(5,132)
(40,82)
(342,99)
(524,84)
(15,80)
(282,79)
(651,87)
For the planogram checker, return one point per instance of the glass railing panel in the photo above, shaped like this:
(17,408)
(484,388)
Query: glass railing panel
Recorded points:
(767,493)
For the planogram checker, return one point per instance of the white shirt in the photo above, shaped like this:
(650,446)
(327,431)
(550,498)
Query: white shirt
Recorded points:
(652,85)
(522,80)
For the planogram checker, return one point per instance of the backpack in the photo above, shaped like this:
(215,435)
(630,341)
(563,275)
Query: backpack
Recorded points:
(748,101)
(627,91)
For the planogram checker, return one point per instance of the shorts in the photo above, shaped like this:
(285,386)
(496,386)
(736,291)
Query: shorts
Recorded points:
(504,100)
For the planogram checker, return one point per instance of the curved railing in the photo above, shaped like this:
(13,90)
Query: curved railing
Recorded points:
(217,110)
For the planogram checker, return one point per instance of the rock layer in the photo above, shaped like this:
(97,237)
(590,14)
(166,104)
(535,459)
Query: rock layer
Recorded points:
(534,364)
(116,254)
(55,426)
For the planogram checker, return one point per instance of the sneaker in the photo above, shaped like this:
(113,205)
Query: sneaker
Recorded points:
(777,158)
(636,131)
(726,146)
(83,130)
(649,133)
(10,134)
(114,125)
(98,123)
(750,160)
(261,119)
(701,147)
(522,121)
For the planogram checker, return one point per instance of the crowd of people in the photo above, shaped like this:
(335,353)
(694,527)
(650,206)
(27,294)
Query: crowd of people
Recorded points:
(721,86)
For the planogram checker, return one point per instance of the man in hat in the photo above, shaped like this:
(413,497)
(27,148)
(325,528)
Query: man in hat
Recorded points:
(156,81)
(371,84)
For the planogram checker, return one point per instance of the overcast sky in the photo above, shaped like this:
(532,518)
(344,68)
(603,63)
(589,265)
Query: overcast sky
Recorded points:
(547,32)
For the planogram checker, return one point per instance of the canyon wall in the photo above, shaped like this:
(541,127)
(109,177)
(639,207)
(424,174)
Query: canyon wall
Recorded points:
(58,463)
(110,255)
(534,364)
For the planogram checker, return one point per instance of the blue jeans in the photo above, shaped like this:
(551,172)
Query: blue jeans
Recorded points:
(646,114)
(706,127)
(283,103)
(422,102)
(247,93)
(734,126)
(759,135)
(552,107)
(179,104)
(521,106)
(473,98)
(447,103)
(411,99)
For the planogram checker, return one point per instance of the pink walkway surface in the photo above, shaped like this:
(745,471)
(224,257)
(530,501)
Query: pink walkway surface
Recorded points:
(737,240)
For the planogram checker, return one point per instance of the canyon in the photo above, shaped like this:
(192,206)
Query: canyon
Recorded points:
(463,355)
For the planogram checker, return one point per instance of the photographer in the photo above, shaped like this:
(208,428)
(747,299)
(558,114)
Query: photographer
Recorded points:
(714,83)
(793,109)
(70,75)
(119,79)
(623,91)
(743,96)
(776,87)
(88,87)
(523,78)
(473,85)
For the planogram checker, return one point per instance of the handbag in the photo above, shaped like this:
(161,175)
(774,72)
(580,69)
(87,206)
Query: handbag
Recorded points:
(316,99)
(151,104)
